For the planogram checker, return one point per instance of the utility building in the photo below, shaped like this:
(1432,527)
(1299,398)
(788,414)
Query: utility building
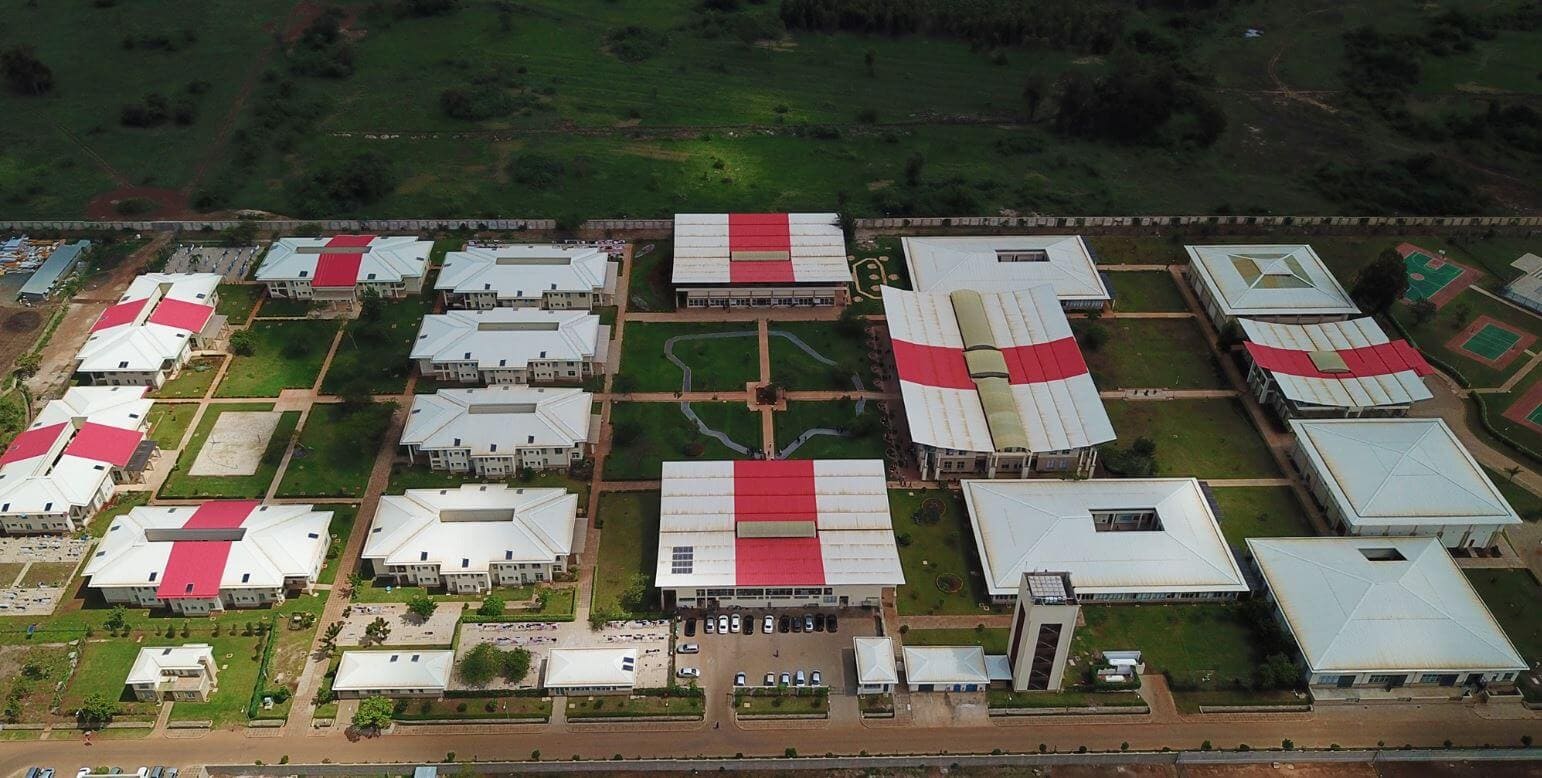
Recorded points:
(1042,626)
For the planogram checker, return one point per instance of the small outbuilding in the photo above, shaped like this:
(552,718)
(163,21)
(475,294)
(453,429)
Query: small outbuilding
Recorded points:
(591,670)
(396,673)
(876,670)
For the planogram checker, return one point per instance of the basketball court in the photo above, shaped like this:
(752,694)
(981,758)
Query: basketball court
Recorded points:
(1527,411)
(1433,277)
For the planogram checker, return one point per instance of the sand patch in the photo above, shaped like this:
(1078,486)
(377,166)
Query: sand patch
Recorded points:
(236,443)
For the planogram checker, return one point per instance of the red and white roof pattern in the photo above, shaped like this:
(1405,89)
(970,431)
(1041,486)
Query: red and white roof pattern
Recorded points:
(759,248)
(1378,371)
(151,323)
(198,551)
(704,504)
(66,456)
(342,261)
(1055,400)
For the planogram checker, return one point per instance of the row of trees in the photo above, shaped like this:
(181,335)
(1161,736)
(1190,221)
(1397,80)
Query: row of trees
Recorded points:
(1072,25)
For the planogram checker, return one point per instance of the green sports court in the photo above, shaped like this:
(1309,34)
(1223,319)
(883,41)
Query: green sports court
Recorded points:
(1425,280)
(1491,341)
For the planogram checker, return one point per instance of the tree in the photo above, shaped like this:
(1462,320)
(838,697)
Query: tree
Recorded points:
(491,607)
(28,364)
(1381,283)
(329,636)
(422,606)
(1422,311)
(374,713)
(97,708)
(24,72)
(377,631)
(516,665)
(913,166)
(1033,95)
(635,596)
(480,665)
(624,432)
(117,619)
(243,343)
(1093,337)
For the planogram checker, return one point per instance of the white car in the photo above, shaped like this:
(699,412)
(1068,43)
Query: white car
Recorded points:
(769,625)
(815,679)
(808,623)
(709,625)
(722,624)
(687,648)
(734,624)
(770,679)
(785,680)
(739,679)
(800,679)
(689,672)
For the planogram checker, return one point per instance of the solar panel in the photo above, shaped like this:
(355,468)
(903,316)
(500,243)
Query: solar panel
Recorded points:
(682,560)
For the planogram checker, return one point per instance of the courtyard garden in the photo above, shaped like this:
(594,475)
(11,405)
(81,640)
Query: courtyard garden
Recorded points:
(624,568)
(283,355)
(1200,438)
(334,452)
(718,364)
(841,342)
(1148,354)
(937,553)
(645,435)
(180,484)
(863,438)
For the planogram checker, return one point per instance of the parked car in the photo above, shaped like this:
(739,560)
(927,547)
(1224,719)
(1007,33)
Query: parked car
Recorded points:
(797,625)
(739,679)
(800,679)
(819,622)
(690,627)
(784,625)
(808,623)
(749,625)
(830,623)
(769,626)
(815,679)
(688,648)
(689,672)
(785,680)
(722,624)
(770,679)
(734,623)
(709,624)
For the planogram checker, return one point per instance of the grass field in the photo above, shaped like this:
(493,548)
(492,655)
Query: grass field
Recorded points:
(333,454)
(1151,354)
(168,422)
(343,517)
(288,356)
(1200,438)
(1527,505)
(380,364)
(1514,597)
(1432,336)
(419,476)
(180,484)
(1260,512)
(281,307)
(993,639)
(1146,290)
(194,380)
(717,364)
(628,548)
(839,415)
(935,554)
(237,302)
(662,434)
(650,288)
(793,368)
(1181,639)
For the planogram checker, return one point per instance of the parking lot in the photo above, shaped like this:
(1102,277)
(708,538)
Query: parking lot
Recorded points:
(757,653)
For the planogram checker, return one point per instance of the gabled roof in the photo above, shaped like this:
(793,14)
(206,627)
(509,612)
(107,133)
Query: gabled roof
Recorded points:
(943,665)
(759,248)
(1348,364)
(1005,263)
(151,323)
(524,271)
(1414,611)
(591,667)
(993,372)
(1269,280)
(397,669)
(343,261)
(500,418)
(67,454)
(875,661)
(469,529)
(1033,525)
(776,523)
(154,662)
(1389,472)
(510,338)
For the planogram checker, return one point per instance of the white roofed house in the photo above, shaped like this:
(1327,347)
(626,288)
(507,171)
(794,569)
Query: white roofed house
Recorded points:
(1373,616)
(474,538)
(947,669)
(572,671)
(1273,283)
(1120,540)
(760,260)
(56,474)
(1008,263)
(511,346)
(185,673)
(528,276)
(146,337)
(397,673)
(1526,289)
(209,557)
(777,533)
(497,431)
(1399,477)
(876,669)
(1335,369)
(994,384)
(336,268)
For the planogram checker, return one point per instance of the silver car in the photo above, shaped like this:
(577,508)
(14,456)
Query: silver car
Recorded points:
(735,624)
(722,625)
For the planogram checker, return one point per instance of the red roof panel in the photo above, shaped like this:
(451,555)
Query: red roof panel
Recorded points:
(759,232)
(778,562)
(195,567)
(1056,360)
(777,490)
(32,443)
(1365,362)
(101,443)
(938,366)
(119,314)
(336,268)
(181,314)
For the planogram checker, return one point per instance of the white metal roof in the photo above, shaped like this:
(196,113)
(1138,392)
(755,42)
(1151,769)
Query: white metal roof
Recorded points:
(1269,280)
(591,667)
(386,259)
(154,662)
(1056,412)
(705,249)
(502,418)
(1529,284)
(44,470)
(1033,525)
(511,338)
(1351,614)
(1414,471)
(152,322)
(944,665)
(469,529)
(875,661)
(402,669)
(526,271)
(280,541)
(986,263)
(703,504)
(1300,341)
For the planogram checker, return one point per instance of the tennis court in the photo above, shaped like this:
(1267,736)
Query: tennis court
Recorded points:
(1427,274)
(1491,341)
(1535,417)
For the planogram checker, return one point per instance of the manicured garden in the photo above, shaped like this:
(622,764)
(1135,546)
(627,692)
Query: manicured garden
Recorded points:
(1000,698)
(168,423)
(285,355)
(1146,290)
(1200,438)
(616,706)
(237,301)
(489,707)
(864,438)
(645,435)
(759,701)
(937,554)
(723,364)
(1148,354)
(372,356)
(193,381)
(1260,512)
(993,639)
(180,484)
(840,342)
(624,567)
(335,451)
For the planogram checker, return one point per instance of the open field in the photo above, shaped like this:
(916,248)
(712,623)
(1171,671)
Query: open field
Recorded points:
(865,440)
(332,454)
(180,484)
(649,434)
(793,368)
(288,355)
(1185,638)
(168,422)
(1260,512)
(942,568)
(237,302)
(194,380)
(1146,290)
(1150,354)
(373,356)
(1513,596)
(628,549)
(1200,438)
(717,364)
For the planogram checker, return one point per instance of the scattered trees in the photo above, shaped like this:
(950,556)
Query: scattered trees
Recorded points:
(491,607)
(1381,283)
(485,662)
(24,72)
(374,713)
(422,606)
(1137,460)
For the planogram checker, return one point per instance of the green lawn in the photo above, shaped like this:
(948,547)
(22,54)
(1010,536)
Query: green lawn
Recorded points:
(373,355)
(1151,354)
(1514,598)
(758,701)
(1496,405)
(180,484)
(279,307)
(1000,698)
(122,503)
(622,707)
(650,288)
(335,451)
(288,356)
(168,422)
(936,554)
(343,517)
(1184,638)
(419,476)
(1200,438)
(107,662)
(993,639)
(628,548)
(104,666)
(658,432)
(193,381)
(865,442)
(1146,290)
(237,301)
(717,364)
(1452,319)
(1526,504)
(472,708)
(1260,512)
(793,368)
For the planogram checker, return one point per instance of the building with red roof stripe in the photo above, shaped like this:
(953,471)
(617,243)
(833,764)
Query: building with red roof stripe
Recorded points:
(150,333)
(760,260)
(787,533)
(1340,369)
(336,267)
